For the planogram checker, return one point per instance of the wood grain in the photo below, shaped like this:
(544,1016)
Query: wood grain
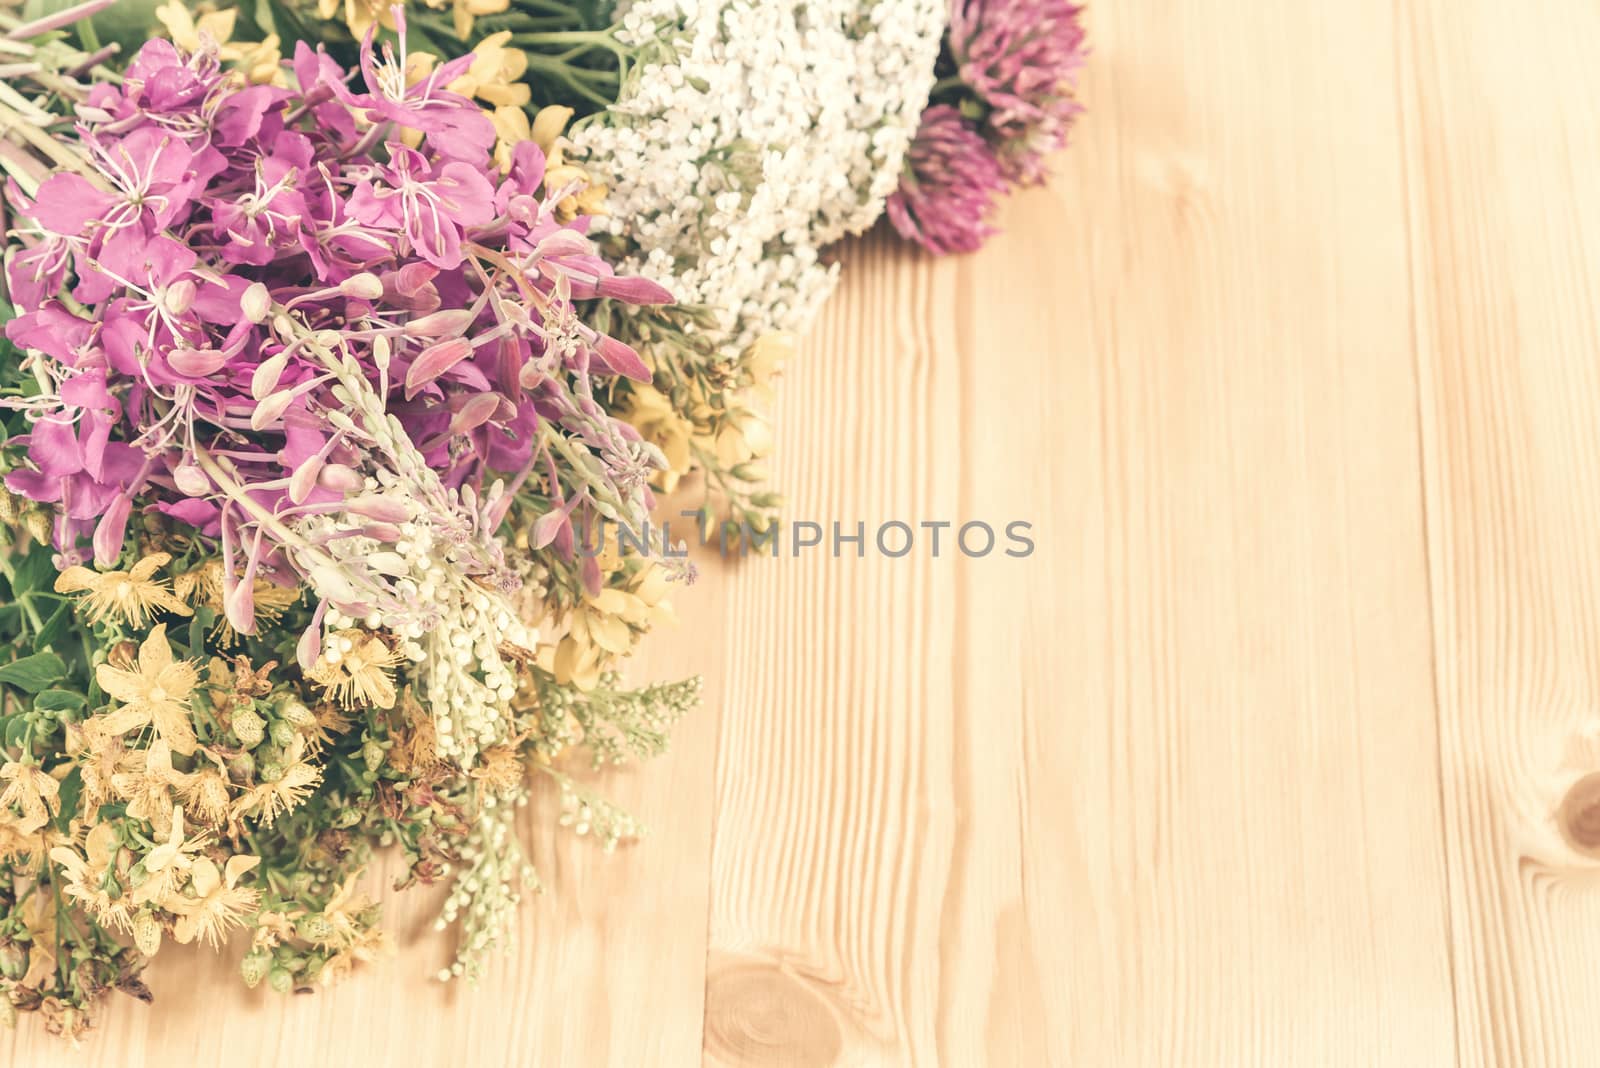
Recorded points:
(1279,749)
(1166,792)
(1503,138)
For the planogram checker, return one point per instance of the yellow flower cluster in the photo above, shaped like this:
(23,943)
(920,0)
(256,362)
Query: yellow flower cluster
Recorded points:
(182,883)
(258,62)
(606,625)
(726,428)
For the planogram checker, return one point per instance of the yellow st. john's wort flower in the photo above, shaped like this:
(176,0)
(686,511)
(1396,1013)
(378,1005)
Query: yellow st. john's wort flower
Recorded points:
(203,585)
(86,873)
(148,783)
(154,692)
(359,15)
(766,358)
(743,436)
(214,901)
(354,669)
(33,791)
(167,866)
(257,61)
(292,782)
(511,127)
(495,74)
(133,596)
(604,627)
(464,12)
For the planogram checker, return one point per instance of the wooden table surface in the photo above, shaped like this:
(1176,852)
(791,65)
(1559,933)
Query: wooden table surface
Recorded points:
(1295,371)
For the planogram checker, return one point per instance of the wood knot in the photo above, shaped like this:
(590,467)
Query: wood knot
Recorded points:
(1579,815)
(757,1013)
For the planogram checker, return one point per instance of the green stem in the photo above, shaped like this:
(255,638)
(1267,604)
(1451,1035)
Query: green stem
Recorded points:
(13,122)
(26,601)
(564,74)
(598,38)
(87,37)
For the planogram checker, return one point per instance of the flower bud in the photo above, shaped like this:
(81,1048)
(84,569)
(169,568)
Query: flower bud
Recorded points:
(372,755)
(271,409)
(314,928)
(282,734)
(264,379)
(447,323)
(37,524)
(280,980)
(256,302)
(192,481)
(363,286)
(249,726)
(242,767)
(254,967)
(298,714)
(340,477)
(178,297)
(147,933)
(13,960)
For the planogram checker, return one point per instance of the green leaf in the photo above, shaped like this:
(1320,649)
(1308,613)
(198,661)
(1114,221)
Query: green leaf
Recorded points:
(71,787)
(16,731)
(53,628)
(60,701)
(203,618)
(34,673)
(36,571)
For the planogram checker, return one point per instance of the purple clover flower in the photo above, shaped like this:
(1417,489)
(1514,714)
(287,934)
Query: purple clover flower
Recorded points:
(950,186)
(1022,59)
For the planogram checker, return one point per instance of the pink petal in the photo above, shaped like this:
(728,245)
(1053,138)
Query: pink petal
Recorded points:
(191,480)
(435,361)
(475,413)
(196,363)
(108,533)
(451,321)
(634,290)
(621,359)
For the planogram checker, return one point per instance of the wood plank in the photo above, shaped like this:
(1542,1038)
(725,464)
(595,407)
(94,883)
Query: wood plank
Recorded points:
(1504,136)
(1165,792)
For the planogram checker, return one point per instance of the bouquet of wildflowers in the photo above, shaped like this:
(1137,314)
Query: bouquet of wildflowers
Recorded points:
(302,423)
(331,327)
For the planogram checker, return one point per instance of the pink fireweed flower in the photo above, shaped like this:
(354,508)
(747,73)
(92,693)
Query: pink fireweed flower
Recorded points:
(949,188)
(1022,59)
(152,174)
(454,131)
(432,205)
(279,305)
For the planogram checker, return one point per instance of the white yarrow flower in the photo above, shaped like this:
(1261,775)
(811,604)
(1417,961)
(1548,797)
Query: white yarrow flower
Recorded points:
(752,136)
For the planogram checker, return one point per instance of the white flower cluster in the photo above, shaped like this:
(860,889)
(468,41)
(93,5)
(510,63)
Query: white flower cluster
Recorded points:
(485,895)
(751,135)
(447,624)
(420,560)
